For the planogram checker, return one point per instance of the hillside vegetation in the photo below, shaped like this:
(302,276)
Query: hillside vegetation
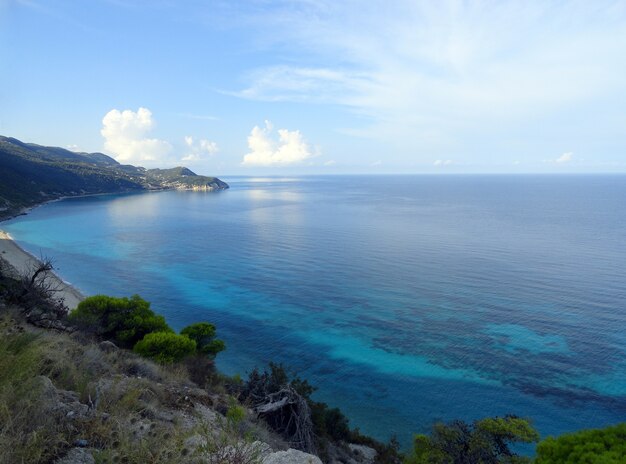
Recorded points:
(113,383)
(31,174)
(72,392)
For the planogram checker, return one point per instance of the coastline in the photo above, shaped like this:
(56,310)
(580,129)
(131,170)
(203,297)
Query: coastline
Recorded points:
(23,211)
(22,261)
(27,209)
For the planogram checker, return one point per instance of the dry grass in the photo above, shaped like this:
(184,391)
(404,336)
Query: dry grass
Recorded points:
(57,388)
(29,430)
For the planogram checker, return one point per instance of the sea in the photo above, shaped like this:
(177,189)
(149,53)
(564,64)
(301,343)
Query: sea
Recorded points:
(406,300)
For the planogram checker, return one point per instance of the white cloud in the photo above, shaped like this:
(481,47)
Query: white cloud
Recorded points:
(443,162)
(290,148)
(565,157)
(433,75)
(289,83)
(75,148)
(330,163)
(197,150)
(125,133)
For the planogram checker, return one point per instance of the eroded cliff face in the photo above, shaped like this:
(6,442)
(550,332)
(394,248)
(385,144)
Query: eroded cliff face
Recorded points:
(182,178)
(209,187)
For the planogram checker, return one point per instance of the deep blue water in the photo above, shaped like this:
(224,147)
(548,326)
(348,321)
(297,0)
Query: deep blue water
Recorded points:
(406,299)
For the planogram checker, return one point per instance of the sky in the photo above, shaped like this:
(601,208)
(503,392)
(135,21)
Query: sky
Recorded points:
(263,87)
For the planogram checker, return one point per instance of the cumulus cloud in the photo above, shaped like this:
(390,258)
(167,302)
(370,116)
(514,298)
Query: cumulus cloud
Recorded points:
(290,148)
(565,157)
(197,150)
(125,135)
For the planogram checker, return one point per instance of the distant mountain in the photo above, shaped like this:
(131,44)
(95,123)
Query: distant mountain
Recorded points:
(31,174)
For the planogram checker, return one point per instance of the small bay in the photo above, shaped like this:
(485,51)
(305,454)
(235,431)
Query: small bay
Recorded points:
(405,299)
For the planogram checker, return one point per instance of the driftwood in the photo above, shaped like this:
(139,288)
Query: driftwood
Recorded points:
(289,414)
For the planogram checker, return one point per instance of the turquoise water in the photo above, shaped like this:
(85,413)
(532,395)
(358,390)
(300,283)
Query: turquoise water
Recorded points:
(406,299)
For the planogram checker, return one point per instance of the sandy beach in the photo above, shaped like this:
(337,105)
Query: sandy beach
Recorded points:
(23,261)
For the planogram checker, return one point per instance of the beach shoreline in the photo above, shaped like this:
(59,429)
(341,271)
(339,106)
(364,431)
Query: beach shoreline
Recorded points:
(23,262)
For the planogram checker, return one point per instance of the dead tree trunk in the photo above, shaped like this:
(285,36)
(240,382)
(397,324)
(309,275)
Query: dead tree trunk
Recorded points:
(288,413)
(39,296)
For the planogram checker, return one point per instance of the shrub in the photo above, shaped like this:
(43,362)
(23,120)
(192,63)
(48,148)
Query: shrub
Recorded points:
(165,347)
(225,444)
(602,446)
(203,334)
(329,422)
(124,320)
(273,380)
(235,413)
(485,441)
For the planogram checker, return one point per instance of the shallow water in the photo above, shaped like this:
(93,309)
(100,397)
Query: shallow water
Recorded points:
(406,299)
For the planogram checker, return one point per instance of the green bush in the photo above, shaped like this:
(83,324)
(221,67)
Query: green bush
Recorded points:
(329,422)
(598,446)
(485,441)
(235,413)
(203,334)
(165,347)
(123,320)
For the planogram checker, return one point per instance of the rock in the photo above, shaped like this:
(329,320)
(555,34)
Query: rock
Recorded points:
(77,456)
(62,402)
(108,346)
(195,441)
(291,456)
(205,413)
(140,429)
(366,454)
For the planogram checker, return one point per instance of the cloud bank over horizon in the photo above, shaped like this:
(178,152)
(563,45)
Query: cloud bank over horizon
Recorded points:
(565,157)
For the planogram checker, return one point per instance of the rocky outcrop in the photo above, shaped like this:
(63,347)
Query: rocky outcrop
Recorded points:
(77,456)
(291,456)
(60,402)
(363,454)
(182,178)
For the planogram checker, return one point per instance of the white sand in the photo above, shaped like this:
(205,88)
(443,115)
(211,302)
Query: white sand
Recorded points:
(23,262)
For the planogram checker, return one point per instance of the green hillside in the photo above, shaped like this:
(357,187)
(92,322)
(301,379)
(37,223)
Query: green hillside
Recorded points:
(31,174)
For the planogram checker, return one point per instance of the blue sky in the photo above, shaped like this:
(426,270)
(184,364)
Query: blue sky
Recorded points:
(317,86)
